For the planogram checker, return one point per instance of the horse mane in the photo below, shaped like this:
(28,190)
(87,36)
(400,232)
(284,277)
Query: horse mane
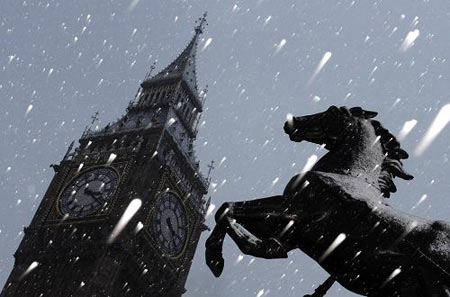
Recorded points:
(392,165)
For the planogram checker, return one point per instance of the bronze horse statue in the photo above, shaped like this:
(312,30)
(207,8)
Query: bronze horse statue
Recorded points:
(337,214)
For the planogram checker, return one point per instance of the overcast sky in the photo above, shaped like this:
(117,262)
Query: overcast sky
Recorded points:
(60,61)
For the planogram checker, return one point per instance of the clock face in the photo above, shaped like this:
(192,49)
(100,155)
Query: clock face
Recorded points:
(89,192)
(170,224)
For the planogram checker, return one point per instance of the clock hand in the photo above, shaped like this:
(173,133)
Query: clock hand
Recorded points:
(169,224)
(90,192)
(93,194)
(97,193)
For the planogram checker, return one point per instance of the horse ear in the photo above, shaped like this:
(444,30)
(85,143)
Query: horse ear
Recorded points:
(359,112)
(369,114)
(356,111)
(401,154)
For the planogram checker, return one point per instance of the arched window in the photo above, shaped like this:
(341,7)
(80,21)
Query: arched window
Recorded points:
(193,116)
(187,113)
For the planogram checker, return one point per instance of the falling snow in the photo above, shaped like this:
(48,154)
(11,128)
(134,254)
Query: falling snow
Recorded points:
(391,276)
(207,43)
(280,45)
(30,268)
(326,57)
(421,200)
(339,239)
(129,213)
(29,109)
(111,158)
(406,129)
(440,121)
(409,40)
(261,61)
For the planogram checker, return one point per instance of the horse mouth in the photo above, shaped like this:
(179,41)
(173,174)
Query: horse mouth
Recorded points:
(300,135)
(314,133)
(306,132)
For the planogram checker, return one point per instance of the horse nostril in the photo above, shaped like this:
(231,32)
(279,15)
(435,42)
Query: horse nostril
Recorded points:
(288,128)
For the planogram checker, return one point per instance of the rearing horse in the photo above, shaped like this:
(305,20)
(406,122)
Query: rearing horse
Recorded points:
(336,213)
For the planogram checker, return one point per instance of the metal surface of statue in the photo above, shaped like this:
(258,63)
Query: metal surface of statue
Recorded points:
(337,214)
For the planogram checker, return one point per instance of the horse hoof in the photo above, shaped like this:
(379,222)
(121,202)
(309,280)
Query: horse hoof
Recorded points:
(215,263)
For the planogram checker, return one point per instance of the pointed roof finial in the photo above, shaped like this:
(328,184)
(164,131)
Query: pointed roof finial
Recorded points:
(201,23)
(94,118)
(203,94)
(152,67)
(210,169)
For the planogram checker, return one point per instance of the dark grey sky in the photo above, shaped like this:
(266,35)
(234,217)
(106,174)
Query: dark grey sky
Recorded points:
(69,59)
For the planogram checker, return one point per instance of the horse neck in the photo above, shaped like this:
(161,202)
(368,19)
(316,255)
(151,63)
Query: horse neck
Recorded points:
(360,156)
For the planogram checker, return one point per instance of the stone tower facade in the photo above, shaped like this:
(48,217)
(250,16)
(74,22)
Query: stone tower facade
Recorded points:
(125,209)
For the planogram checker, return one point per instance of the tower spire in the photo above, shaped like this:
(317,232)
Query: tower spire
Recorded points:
(183,67)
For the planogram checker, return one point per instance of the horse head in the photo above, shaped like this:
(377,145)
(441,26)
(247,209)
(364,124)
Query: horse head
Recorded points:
(330,127)
(355,141)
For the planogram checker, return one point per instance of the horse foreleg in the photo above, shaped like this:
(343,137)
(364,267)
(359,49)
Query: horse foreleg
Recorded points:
(323,288)
(269,248)
(213,252)
(214,243)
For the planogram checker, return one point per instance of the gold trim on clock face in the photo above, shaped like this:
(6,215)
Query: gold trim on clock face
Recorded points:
(88,192)
(170,224)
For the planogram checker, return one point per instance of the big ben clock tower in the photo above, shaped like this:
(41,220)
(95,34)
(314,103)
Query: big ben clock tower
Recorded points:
(146,156)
